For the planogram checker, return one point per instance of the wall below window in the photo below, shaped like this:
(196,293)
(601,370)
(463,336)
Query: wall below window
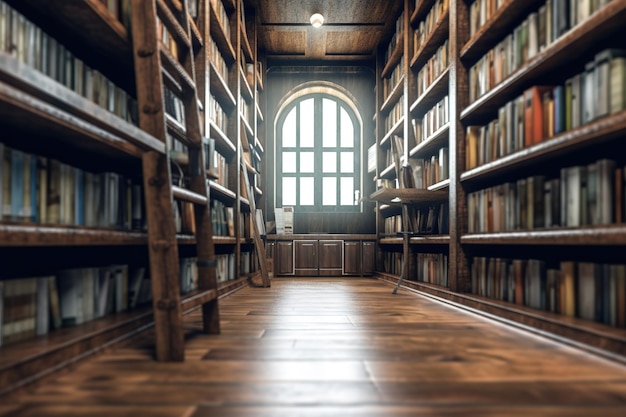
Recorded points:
(359,82)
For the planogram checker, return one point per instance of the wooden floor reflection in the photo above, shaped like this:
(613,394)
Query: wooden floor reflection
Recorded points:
(336,347)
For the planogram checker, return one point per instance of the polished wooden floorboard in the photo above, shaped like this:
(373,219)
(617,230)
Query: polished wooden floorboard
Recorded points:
(336,347)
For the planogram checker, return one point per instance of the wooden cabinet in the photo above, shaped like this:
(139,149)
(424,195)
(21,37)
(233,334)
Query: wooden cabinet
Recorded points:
(330,257)
(352,257)
(323,255)
(368,256)
(306,259)
(283,264)
(359,257)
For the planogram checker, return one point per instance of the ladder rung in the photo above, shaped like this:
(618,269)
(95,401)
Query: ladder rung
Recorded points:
(172,24)
(196,299)
(176,71)
(184,194)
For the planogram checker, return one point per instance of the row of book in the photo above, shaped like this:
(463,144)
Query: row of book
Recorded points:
(217,59)
(166,38)
(430,171)
(433,120)
(591,291)
(480,13)
(432,268)
(397,36)
(121,9)
(432,69)
(392,262)
(429,220)
(222,17)
(538,30)
(174,106)
(543,112)
(583,195)
(395,114)
(389,84)
(35,189)
(32,307)
(29,44)
(428,25)
(217,114)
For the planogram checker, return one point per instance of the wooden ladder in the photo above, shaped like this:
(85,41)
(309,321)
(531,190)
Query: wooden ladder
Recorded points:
(155,68)
(256,236)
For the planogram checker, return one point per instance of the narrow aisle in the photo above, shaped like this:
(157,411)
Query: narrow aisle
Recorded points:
(337,347)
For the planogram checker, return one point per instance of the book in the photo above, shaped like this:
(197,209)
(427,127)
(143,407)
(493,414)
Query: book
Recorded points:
(534,115)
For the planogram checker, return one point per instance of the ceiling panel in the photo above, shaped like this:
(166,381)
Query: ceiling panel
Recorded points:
(352,28)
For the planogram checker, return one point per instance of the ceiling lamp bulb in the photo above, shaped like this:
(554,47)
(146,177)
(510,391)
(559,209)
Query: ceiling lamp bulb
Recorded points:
(317,20)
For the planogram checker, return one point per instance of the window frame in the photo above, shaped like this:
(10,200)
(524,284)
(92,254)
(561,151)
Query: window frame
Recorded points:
(318,149)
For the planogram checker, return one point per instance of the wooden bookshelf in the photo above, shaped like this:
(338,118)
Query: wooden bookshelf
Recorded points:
(600,245)
(45,119)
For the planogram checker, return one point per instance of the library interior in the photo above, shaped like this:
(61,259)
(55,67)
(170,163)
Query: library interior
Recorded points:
(244,208)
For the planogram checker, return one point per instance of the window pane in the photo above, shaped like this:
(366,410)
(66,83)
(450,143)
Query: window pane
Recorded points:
(330,162)
(289,130)
(307,194)
(307,162)
(289,191)
(329,191)
(289,162)
(307,123)
(347,130)
(347,162)
(329,123)
(347,191)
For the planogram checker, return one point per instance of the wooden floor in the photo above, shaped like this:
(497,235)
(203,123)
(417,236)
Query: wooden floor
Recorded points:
(337,347)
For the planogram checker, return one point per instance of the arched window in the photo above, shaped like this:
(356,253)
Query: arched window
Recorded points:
(318,155)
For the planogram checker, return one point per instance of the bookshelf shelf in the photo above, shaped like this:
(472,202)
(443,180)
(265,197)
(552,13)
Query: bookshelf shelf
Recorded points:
(430,240)
(435,92)
(397,129)
(441,185)
(438,35)
(30,235)
(391,241)
(245,45)
(219,36)
(506,17)
(23,362)
(409,195)
(25,83)
(565,50)
(614,235)
(20,110)
(421,10)
(222,143)
(388,173)
(394,58)
(90,30)
(221,192)
(394,96)
(245,87)
(560,147)
(220,89)
(432,143)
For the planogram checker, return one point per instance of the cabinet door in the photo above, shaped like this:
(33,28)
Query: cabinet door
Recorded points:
(369,257)
(330,257)
(306,257)
(284,262)
(352,258)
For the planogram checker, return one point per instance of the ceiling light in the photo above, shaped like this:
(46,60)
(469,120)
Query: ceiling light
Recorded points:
(317,20)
